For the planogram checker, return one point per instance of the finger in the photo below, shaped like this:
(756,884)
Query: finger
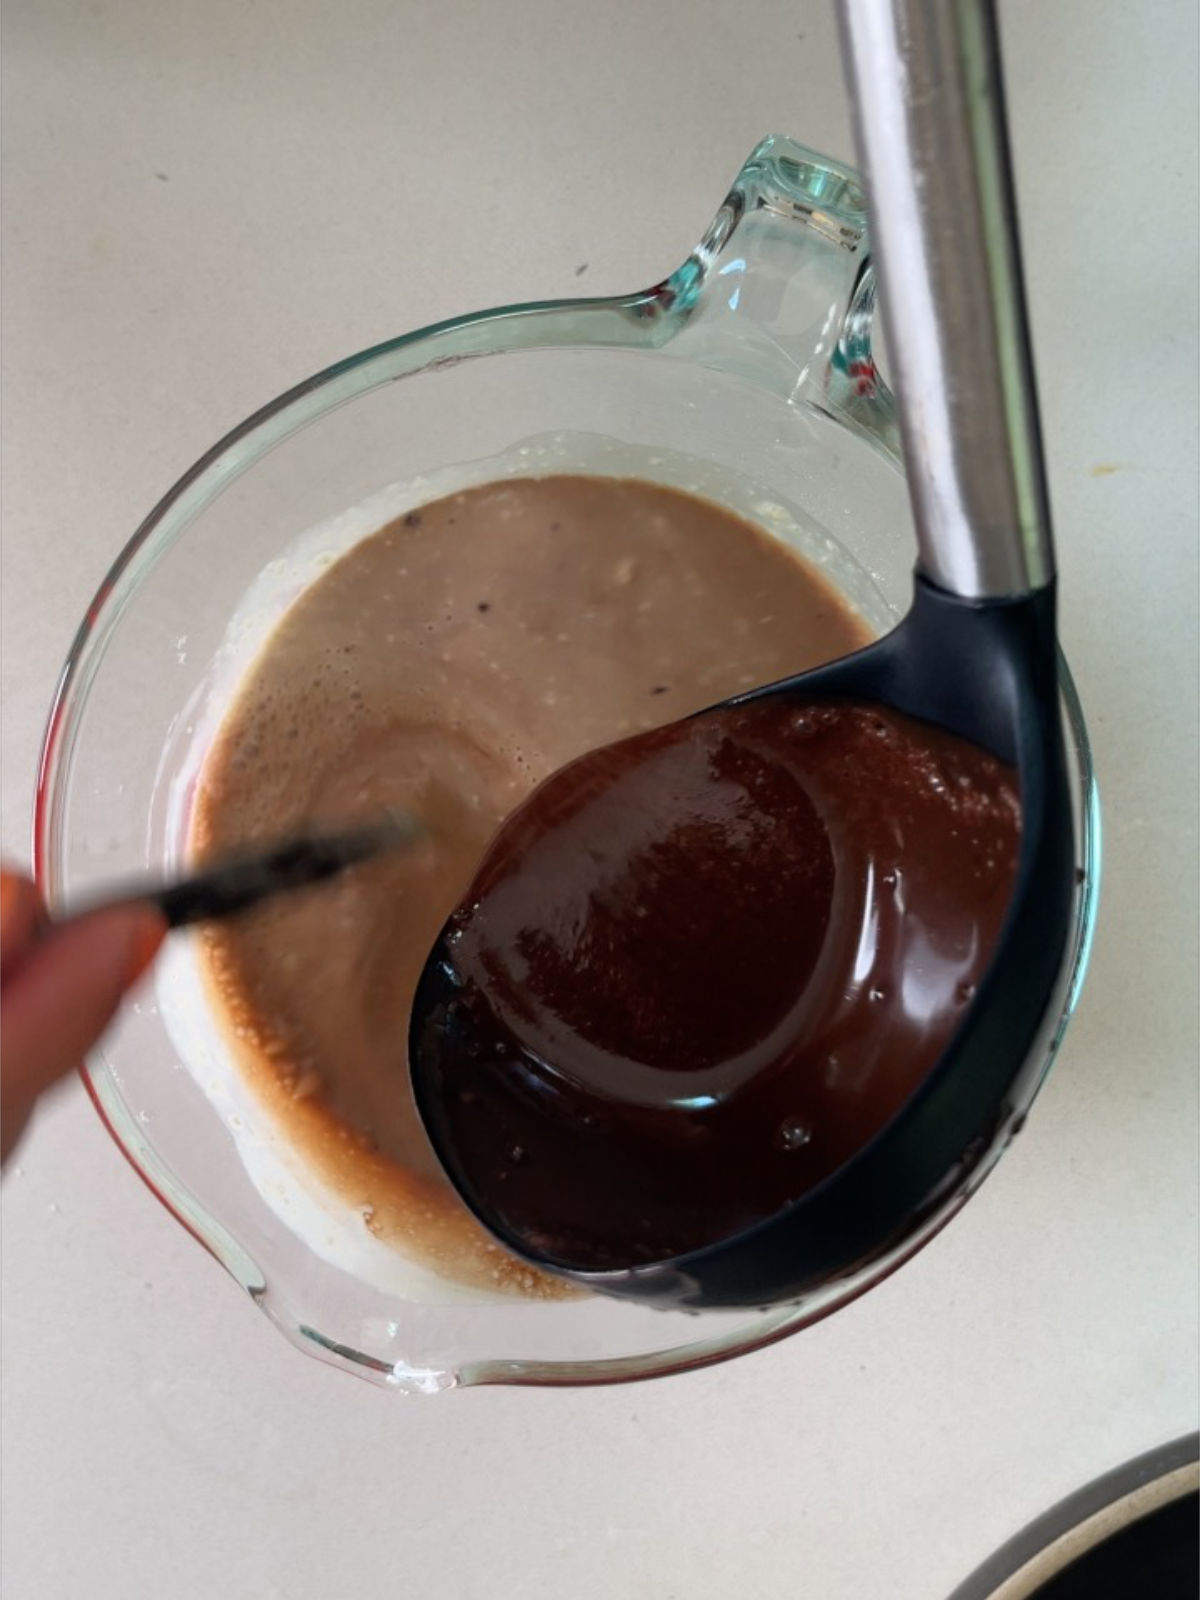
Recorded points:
(63,996)
(20,914)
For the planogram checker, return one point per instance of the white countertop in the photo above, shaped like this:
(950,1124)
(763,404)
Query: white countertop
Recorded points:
(203,203)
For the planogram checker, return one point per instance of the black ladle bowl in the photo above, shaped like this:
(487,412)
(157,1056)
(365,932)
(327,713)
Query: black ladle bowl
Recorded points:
(987,672)
(976,655)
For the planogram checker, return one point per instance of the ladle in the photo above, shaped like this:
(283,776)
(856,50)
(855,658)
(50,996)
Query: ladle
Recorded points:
(975,655)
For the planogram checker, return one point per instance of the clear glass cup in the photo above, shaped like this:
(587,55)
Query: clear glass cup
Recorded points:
(748,376)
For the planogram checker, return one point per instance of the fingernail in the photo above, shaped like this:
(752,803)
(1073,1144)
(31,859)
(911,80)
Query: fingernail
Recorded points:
(144,945)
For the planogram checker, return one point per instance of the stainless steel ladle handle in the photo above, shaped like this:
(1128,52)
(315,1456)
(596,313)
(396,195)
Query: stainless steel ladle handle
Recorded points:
(925,81)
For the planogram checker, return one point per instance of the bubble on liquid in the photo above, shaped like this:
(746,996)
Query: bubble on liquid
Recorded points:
(518,1154)
(306,1085)
(793,1134)
(877,992)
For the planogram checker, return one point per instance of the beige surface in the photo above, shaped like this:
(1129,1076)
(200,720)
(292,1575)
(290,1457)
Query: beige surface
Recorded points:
(204,202)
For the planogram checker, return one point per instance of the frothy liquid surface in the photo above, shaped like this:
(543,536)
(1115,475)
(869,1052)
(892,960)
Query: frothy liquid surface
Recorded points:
(445,666)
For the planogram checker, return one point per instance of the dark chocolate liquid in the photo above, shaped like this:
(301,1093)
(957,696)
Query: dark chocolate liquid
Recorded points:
(699,969)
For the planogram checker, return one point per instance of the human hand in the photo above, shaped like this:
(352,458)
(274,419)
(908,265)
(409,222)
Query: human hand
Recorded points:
(59,989)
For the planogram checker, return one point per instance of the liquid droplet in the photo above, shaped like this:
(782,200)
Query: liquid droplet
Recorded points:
(793,1134)
(876,993)
(964,993)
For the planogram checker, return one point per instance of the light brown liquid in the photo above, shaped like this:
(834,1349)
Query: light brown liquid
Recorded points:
(445,666)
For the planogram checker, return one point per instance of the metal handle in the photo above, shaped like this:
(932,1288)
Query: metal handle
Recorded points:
(925,80)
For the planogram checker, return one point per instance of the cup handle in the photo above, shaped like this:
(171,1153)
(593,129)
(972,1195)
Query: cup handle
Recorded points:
(781,290)
(855,390)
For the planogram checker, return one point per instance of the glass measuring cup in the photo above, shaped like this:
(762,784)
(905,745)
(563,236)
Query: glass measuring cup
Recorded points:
(747,376)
